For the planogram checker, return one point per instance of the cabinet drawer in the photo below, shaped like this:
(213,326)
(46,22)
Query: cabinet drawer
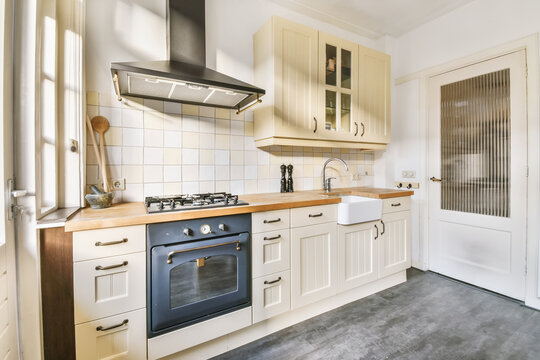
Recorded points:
(270,221)
(93,244)
(271,295)
(271,252)
(117,337)
(108,286)
(396,204)
(313,215)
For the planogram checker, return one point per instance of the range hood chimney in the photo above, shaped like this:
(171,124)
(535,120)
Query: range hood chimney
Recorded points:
(184,78)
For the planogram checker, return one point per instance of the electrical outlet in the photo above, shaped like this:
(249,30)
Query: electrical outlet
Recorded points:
(118,184)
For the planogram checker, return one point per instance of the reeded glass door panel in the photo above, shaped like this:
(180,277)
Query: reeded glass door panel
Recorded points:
(331,65)
(345,112)
(346,59)
(203,278)
(475,145)
(330,123)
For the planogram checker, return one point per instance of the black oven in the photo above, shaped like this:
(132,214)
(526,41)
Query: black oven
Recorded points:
(197,269)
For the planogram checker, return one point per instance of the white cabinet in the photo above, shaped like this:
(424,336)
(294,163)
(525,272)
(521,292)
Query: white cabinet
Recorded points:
(109,290)
(394,243)
(108,286)
(271,252)
(313,263)
(271,295)
(358,255)
(121,336)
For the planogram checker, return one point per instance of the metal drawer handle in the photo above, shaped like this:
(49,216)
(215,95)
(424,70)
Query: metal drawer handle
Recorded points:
(376,236)
(356,132)
(172,253)
(273,281)
(272,221)
(383,227)
(397,204)
(99,267)
(99,243)
(101,328)
(315,215)
(363,129)
(315,119)
(273,237)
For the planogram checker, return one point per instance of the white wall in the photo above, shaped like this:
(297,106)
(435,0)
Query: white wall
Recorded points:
(480,25)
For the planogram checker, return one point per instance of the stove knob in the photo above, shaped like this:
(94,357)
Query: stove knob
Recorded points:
(222,227)
(187,231)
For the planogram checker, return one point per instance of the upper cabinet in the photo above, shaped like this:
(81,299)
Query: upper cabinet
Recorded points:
(321,90)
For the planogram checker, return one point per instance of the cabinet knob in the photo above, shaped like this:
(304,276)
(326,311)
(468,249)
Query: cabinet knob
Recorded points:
(222,227)
(187,232)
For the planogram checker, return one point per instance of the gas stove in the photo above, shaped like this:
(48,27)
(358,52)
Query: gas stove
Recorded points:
(159,204)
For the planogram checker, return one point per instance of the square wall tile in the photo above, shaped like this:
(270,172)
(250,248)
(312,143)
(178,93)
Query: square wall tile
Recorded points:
(222,157)
(223,186)
(235,116)
(248,129)
(250,158)
(172,122)
(190,187)
(207,125)
(172,156)
(153,189)
(223,142)
(132,118)
(92,174)
(237,157)
(192,110)
(206,157)
(114,155)
(92,98)
(237,172)
(172,108)
(190,123)
(172,173)
(237,186)
(207,186)
(132,137)
(190,173)
(237,127)
(206,172)
(223,172)
(133,173)
(153,156)
(153,173)
(207,141)
(173,188)
(223,126)
(190,156)
(250,186)
(223,113)
(153,105)
(133,193)
(153,138)
(132,155)
(172,139)
(237,142)
(250,172)
(190,140)
(207,111)
(153,120)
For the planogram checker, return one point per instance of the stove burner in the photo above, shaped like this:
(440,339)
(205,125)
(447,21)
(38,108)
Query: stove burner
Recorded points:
(155,204)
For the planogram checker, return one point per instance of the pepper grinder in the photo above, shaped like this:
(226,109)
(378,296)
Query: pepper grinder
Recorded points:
(289,180)
(283,180)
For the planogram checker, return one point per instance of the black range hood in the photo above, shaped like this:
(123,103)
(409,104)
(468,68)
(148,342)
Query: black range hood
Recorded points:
(184,77)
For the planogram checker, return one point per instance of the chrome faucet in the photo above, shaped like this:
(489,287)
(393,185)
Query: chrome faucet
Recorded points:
(327,183)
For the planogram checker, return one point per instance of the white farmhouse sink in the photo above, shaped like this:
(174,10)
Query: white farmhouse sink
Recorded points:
(357,209)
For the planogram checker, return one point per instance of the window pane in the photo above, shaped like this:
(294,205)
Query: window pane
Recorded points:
(331,55)
(345,112)
(475,145)
(345,69)
(330,123)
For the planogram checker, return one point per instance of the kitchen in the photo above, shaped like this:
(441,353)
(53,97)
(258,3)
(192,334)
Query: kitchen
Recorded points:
(380,73)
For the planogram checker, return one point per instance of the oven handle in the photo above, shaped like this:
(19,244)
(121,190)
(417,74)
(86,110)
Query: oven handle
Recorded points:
(172,253)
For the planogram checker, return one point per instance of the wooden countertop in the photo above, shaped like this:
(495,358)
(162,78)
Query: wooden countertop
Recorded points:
(135,213)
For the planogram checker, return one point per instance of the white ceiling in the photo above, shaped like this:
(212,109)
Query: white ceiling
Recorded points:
(374,18)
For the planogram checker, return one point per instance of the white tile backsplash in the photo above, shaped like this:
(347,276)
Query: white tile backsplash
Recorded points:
(169,148)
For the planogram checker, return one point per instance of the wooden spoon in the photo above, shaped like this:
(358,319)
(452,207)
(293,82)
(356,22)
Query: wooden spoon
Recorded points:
(101,125)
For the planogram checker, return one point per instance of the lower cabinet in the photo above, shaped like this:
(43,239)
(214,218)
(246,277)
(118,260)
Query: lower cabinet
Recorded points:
(394,243)
(271,295)
(313,263)
(358,255)
(121,336)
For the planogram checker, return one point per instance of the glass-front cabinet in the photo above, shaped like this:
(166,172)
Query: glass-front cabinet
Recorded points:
(338,88)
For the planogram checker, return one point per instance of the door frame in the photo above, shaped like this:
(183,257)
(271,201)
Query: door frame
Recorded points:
(531,46)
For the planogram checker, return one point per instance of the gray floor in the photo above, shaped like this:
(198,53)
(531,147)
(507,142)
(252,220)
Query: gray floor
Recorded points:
(428,317)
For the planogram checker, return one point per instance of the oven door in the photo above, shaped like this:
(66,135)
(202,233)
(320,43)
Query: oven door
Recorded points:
(194,281)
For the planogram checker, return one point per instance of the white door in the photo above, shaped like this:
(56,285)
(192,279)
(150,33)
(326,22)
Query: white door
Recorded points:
(478,172)
(9,348)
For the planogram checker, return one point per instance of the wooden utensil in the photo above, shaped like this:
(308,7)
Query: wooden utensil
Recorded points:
(93,138)
(101,125)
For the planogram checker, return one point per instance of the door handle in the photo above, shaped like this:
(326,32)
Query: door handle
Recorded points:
(383,227)
(273,237)
(356,132)
(315,215)
(376,236)
(315,119)
(101,328)
(99,243)
(273,281)
(272,221)
(363,129)
(99,267)
(434,179)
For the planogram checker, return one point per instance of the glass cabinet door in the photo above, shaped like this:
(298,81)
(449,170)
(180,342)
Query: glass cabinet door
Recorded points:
(338,88)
